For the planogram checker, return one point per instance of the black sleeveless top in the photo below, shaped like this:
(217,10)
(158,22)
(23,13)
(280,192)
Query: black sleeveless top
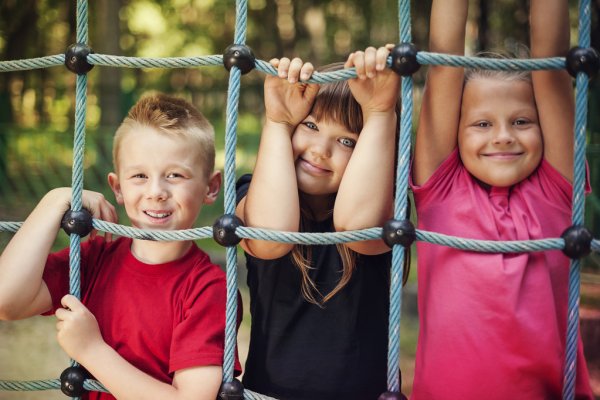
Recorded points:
(300,351)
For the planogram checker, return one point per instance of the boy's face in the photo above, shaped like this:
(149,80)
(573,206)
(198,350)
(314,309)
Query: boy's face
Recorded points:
(499,137)
(161,181)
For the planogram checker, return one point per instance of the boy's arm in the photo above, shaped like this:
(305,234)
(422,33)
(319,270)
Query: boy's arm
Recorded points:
(79,335)
(440,108)
(553,90)
(272,200)
(365,196)
(23,293)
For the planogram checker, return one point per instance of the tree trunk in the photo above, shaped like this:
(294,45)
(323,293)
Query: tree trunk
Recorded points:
(109,78)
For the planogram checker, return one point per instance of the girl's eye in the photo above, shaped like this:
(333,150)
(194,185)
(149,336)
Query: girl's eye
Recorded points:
(310,125)
(483,124)
(174,175)
(521,121)
(347,142)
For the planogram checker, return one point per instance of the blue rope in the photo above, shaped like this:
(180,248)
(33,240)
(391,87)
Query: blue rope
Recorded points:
(233,94)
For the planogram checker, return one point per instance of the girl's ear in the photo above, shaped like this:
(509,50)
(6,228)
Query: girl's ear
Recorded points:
(113,182)
(214,185)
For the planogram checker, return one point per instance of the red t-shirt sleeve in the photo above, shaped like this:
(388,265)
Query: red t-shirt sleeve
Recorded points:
(199,339)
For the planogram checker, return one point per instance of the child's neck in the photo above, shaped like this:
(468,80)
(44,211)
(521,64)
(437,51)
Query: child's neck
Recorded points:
(159,252)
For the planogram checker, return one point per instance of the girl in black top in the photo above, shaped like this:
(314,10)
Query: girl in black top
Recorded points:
(325,163)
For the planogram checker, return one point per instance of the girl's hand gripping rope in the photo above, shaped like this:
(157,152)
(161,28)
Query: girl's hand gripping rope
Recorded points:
(287,100)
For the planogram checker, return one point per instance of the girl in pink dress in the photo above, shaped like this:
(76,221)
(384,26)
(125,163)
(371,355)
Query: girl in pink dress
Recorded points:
(494,160)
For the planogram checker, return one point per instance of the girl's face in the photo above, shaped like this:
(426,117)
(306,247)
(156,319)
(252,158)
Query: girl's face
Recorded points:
(499,136)
(321,152)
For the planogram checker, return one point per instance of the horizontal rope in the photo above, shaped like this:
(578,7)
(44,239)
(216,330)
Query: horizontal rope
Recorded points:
(423,58)
(47,384)
(506,64)
(148,62)
(145,234)
(324,238)
(32,63)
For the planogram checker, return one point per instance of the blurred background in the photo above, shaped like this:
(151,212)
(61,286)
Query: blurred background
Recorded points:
(37,114)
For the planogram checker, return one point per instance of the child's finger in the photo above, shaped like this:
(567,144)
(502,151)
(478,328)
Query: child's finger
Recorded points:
(71,302)
(306,71)
(381,58)
(370,61)
(274,62)
(358,61)
(294,70)
(283,67)
(61,314)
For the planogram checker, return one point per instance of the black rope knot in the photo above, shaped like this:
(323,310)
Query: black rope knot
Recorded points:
(71,381)
(224,230)
(581,59)
(233,390)
(400,232)
(578,241)
(76,58)
(240,56)
(404,59)
(79,222)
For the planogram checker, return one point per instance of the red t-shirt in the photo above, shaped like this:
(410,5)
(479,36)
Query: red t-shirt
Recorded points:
(160,317)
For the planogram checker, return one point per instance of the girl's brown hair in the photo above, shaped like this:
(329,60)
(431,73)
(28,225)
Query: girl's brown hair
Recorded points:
(334,102)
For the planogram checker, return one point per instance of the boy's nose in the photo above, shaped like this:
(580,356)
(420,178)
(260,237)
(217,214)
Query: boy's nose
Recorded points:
(157,190)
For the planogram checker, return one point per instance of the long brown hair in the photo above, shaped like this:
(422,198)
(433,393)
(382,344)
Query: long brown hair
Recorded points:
(334,102)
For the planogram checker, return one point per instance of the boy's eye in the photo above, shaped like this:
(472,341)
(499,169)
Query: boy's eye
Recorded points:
(139,176)
(347,142)
(310,125)
(174,175)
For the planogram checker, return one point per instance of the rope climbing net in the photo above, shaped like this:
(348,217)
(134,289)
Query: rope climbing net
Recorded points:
(582,61)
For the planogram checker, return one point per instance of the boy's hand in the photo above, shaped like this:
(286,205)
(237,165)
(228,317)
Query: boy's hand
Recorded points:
(287,100)
(376,87)
(77,329)
(100,209)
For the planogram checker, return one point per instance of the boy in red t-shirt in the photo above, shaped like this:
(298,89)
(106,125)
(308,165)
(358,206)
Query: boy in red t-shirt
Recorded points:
(150,323)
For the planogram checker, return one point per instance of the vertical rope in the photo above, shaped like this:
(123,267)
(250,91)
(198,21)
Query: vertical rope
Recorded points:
(229,198)
(570,367)
(398,252)
(78,153)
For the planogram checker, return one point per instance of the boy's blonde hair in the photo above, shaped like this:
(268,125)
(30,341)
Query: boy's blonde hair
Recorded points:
(170,115)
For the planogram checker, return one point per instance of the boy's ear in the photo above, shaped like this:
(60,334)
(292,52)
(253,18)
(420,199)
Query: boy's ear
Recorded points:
(113,182)
(214,185)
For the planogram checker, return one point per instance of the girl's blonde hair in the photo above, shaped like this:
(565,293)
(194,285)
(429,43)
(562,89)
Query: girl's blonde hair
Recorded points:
(504,75)
(334,102)
(170,115)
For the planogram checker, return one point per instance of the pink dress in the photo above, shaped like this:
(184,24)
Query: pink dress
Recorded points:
(492,326)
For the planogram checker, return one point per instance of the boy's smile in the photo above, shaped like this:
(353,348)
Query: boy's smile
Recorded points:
(499,138)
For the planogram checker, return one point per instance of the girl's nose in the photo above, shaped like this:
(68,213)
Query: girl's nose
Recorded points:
(320,149)
(503,135)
